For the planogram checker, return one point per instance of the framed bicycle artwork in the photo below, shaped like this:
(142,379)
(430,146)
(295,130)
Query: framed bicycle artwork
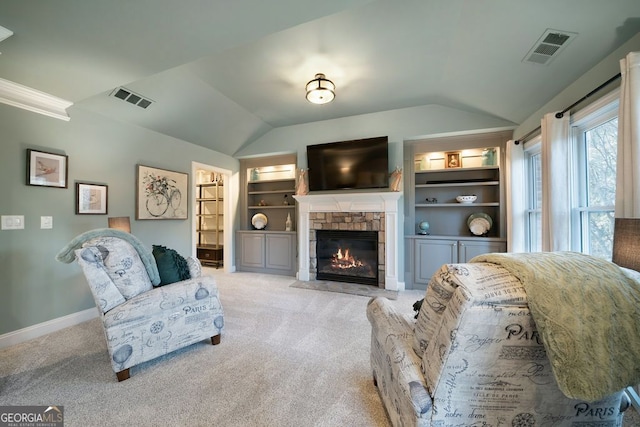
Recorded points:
(161,194)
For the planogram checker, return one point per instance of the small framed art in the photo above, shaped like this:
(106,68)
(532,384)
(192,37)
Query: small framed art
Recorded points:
(453,160)
(47,169)
(91,199)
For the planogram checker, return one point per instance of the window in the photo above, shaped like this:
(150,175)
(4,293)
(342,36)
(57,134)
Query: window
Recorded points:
(595,175)
(592,164)
(533,158)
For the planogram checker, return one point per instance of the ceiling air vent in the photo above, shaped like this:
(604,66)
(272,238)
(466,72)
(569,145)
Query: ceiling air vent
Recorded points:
(131,97)
(548,46)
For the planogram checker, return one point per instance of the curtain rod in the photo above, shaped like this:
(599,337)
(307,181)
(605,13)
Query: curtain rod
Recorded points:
(560,114)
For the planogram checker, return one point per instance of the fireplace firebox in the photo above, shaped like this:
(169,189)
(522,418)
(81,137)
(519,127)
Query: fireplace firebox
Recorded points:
(347,256)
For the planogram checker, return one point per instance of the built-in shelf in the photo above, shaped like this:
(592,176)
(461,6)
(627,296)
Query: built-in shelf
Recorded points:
(209,227)
(268,185)
(455,205)
(272,207)
(431,188)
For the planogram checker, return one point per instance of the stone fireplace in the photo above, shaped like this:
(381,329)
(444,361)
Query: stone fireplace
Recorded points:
(362,211)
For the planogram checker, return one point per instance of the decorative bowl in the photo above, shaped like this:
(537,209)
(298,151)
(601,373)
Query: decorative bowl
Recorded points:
(466,199)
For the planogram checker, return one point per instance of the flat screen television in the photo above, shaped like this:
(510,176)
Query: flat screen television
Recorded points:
(357,164)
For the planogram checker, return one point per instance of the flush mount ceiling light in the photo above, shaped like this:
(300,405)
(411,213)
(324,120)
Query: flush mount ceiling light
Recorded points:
(320,90)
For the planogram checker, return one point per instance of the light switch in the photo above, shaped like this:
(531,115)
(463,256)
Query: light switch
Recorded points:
(12,222)
(46,222)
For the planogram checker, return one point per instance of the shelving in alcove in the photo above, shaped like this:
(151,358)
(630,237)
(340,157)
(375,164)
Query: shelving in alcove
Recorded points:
(270,186)
(431,189)
(435,187)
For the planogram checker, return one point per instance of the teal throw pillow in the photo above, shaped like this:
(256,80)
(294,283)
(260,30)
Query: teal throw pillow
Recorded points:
(172,267)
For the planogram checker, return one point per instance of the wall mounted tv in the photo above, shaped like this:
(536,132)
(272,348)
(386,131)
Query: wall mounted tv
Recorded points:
(357,164)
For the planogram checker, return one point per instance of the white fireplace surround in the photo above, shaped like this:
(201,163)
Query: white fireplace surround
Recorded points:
(387,202)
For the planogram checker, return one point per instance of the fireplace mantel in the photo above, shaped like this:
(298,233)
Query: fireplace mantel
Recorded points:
(387,202)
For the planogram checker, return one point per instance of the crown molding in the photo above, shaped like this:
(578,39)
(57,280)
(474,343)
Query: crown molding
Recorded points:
(33,100)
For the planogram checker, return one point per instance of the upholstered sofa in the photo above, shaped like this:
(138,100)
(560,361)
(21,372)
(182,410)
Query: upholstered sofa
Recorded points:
(476,357)
(143,319)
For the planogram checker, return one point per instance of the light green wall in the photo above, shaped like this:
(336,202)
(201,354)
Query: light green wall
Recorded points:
(400,125)
(600,73)
(34,287)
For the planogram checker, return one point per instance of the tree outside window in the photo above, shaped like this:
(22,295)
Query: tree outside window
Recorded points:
(597,190)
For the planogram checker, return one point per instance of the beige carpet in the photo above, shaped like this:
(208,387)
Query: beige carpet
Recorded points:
(288,357)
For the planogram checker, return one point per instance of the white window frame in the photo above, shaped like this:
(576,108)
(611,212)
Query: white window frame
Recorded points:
(532,148)
(595,114)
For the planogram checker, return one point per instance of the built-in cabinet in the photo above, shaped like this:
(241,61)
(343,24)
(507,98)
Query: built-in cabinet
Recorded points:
(431,253)
(440,170)
(266,252)
(266,242)
(210,223)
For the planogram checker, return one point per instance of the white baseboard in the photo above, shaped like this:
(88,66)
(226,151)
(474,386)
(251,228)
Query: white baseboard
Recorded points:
(36,331)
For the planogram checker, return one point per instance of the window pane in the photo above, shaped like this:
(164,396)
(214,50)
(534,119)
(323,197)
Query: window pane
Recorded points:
(598,239)
(534,223)
(536,178)
(535,231)
(601,146)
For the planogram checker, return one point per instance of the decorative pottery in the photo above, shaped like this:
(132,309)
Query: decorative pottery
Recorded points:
(259,221)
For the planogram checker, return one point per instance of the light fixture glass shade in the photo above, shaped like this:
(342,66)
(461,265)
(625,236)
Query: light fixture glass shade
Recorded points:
(320,90)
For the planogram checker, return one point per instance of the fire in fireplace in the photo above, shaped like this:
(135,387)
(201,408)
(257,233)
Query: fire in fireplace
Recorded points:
(347,256)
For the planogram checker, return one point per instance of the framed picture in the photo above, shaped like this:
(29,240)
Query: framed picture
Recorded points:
(161,194)
(452,159)
(91,199)
(47,169)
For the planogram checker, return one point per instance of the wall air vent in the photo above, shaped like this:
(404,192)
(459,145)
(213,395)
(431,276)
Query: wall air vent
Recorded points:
(548,46)
(131,97)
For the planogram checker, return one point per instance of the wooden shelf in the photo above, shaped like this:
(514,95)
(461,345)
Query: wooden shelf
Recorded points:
(209,227)
(455,205)
(272,207)
(266,181)
(457,184)
(288,191)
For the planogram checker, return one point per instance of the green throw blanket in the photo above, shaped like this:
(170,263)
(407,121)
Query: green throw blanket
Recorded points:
(587,311)
(67,254)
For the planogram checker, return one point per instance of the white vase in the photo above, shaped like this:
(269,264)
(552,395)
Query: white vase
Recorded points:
(287,224)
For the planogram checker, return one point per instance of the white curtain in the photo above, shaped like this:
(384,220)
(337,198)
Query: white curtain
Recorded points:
(556,188)
(628,164)
(515,188)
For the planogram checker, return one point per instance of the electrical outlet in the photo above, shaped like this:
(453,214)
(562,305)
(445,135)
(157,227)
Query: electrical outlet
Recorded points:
(12,222)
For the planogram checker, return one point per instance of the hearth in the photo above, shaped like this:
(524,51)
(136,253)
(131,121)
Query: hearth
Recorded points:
(347,256)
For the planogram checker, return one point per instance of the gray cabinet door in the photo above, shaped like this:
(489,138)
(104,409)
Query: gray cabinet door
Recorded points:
(252,251)
(280,251)
(467,249)
(429,255)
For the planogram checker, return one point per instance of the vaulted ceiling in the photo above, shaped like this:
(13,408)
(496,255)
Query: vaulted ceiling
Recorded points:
(222,73)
